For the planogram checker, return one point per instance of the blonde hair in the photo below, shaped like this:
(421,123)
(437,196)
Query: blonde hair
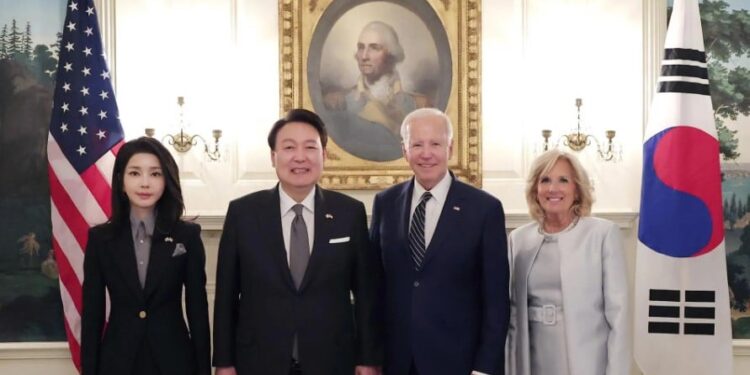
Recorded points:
(541,166)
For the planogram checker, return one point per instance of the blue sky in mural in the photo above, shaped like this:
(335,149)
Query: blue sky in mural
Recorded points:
(36,12)
(733,4)
(739,4)
(736,4)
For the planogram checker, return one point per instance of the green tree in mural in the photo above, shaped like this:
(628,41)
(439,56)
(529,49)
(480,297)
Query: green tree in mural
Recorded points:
(725,210)
(745,240)
(726,34)
(40,59)
(27,41)
(55,47)
(738,286)
(45,64)
(4,43)
(14,40)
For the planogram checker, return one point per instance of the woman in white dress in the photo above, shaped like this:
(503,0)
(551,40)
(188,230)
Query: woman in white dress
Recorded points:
(569,289)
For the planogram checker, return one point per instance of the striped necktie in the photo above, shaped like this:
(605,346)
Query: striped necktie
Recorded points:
(416,232)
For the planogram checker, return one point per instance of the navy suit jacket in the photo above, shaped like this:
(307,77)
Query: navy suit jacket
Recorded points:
(451,317)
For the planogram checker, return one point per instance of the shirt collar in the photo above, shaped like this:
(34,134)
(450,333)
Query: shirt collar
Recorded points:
(149,222)
(439,191)
(287,202)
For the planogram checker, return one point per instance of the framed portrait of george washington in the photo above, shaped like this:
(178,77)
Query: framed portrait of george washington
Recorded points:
(363,65)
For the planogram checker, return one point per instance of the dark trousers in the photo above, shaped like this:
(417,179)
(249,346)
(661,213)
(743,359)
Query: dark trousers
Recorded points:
(295,369)
(413,369)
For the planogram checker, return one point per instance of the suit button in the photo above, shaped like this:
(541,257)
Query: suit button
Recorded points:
(142,314)
(416,284)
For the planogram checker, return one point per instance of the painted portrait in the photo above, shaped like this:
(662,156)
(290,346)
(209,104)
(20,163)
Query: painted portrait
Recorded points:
(363,65)
(370,64)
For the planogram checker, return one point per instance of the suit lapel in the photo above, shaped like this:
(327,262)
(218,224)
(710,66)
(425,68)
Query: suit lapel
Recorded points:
(160,253)
(448,221)
(124,255)
(323,223)
(404,204)
(270,228)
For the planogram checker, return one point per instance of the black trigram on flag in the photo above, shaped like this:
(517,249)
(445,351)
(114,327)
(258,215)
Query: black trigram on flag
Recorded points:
(666,312)
(684,70)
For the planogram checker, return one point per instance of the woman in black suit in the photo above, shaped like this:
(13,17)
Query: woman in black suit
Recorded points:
(143,256)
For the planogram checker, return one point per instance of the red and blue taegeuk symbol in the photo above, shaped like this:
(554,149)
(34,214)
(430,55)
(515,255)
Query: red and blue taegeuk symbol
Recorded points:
(681,212)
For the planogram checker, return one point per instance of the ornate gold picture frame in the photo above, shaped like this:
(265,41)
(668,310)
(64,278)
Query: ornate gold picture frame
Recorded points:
(363,64)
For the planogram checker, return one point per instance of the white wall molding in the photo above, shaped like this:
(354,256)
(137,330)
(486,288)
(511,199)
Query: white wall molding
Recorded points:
(654,31)
(105,10)
(33,350)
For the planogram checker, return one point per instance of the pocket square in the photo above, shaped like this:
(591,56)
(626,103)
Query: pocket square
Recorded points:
(339,240)
(179,249)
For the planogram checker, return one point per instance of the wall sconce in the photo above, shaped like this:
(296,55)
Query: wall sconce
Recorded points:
(578,140)
(183,142)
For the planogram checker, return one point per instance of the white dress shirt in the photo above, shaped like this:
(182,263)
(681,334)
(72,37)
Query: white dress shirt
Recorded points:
(434,205)
(287,216)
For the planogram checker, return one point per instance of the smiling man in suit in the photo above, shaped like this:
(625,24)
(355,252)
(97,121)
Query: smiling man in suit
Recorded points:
(444,253)
(289,260)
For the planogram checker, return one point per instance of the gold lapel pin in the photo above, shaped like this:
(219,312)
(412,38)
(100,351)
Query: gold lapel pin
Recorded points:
(168,239)
(329,216)
(456,208)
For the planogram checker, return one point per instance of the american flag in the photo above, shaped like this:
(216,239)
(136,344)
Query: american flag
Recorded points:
(84,136)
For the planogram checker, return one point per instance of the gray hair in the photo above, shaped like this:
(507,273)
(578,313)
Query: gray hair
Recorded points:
(390,39)
(422,113)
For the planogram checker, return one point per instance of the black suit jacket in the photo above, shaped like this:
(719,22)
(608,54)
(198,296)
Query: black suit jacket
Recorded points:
(152,315)
(258,309)
(450,317)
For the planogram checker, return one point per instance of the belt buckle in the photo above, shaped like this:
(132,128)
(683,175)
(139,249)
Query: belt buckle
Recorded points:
(549,315)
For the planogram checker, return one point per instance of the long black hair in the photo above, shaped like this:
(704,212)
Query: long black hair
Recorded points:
(169,207)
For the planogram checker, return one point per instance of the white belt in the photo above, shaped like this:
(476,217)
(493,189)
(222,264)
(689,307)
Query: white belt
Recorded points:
(547,314)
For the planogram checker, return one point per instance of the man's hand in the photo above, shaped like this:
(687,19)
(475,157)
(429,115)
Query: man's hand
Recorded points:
(226,371)
(365,370)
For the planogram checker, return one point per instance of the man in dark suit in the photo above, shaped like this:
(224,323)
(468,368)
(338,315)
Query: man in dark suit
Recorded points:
(289,260)
(444,253)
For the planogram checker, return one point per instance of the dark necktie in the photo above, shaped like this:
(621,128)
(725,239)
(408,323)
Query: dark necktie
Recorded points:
(416,232)
(141,253)
(299,246)
(299,255)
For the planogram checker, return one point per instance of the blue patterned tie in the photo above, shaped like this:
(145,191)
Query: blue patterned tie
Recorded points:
(416,232)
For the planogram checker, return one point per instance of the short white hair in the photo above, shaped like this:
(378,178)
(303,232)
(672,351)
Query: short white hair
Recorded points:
(422,113)
(390,39)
